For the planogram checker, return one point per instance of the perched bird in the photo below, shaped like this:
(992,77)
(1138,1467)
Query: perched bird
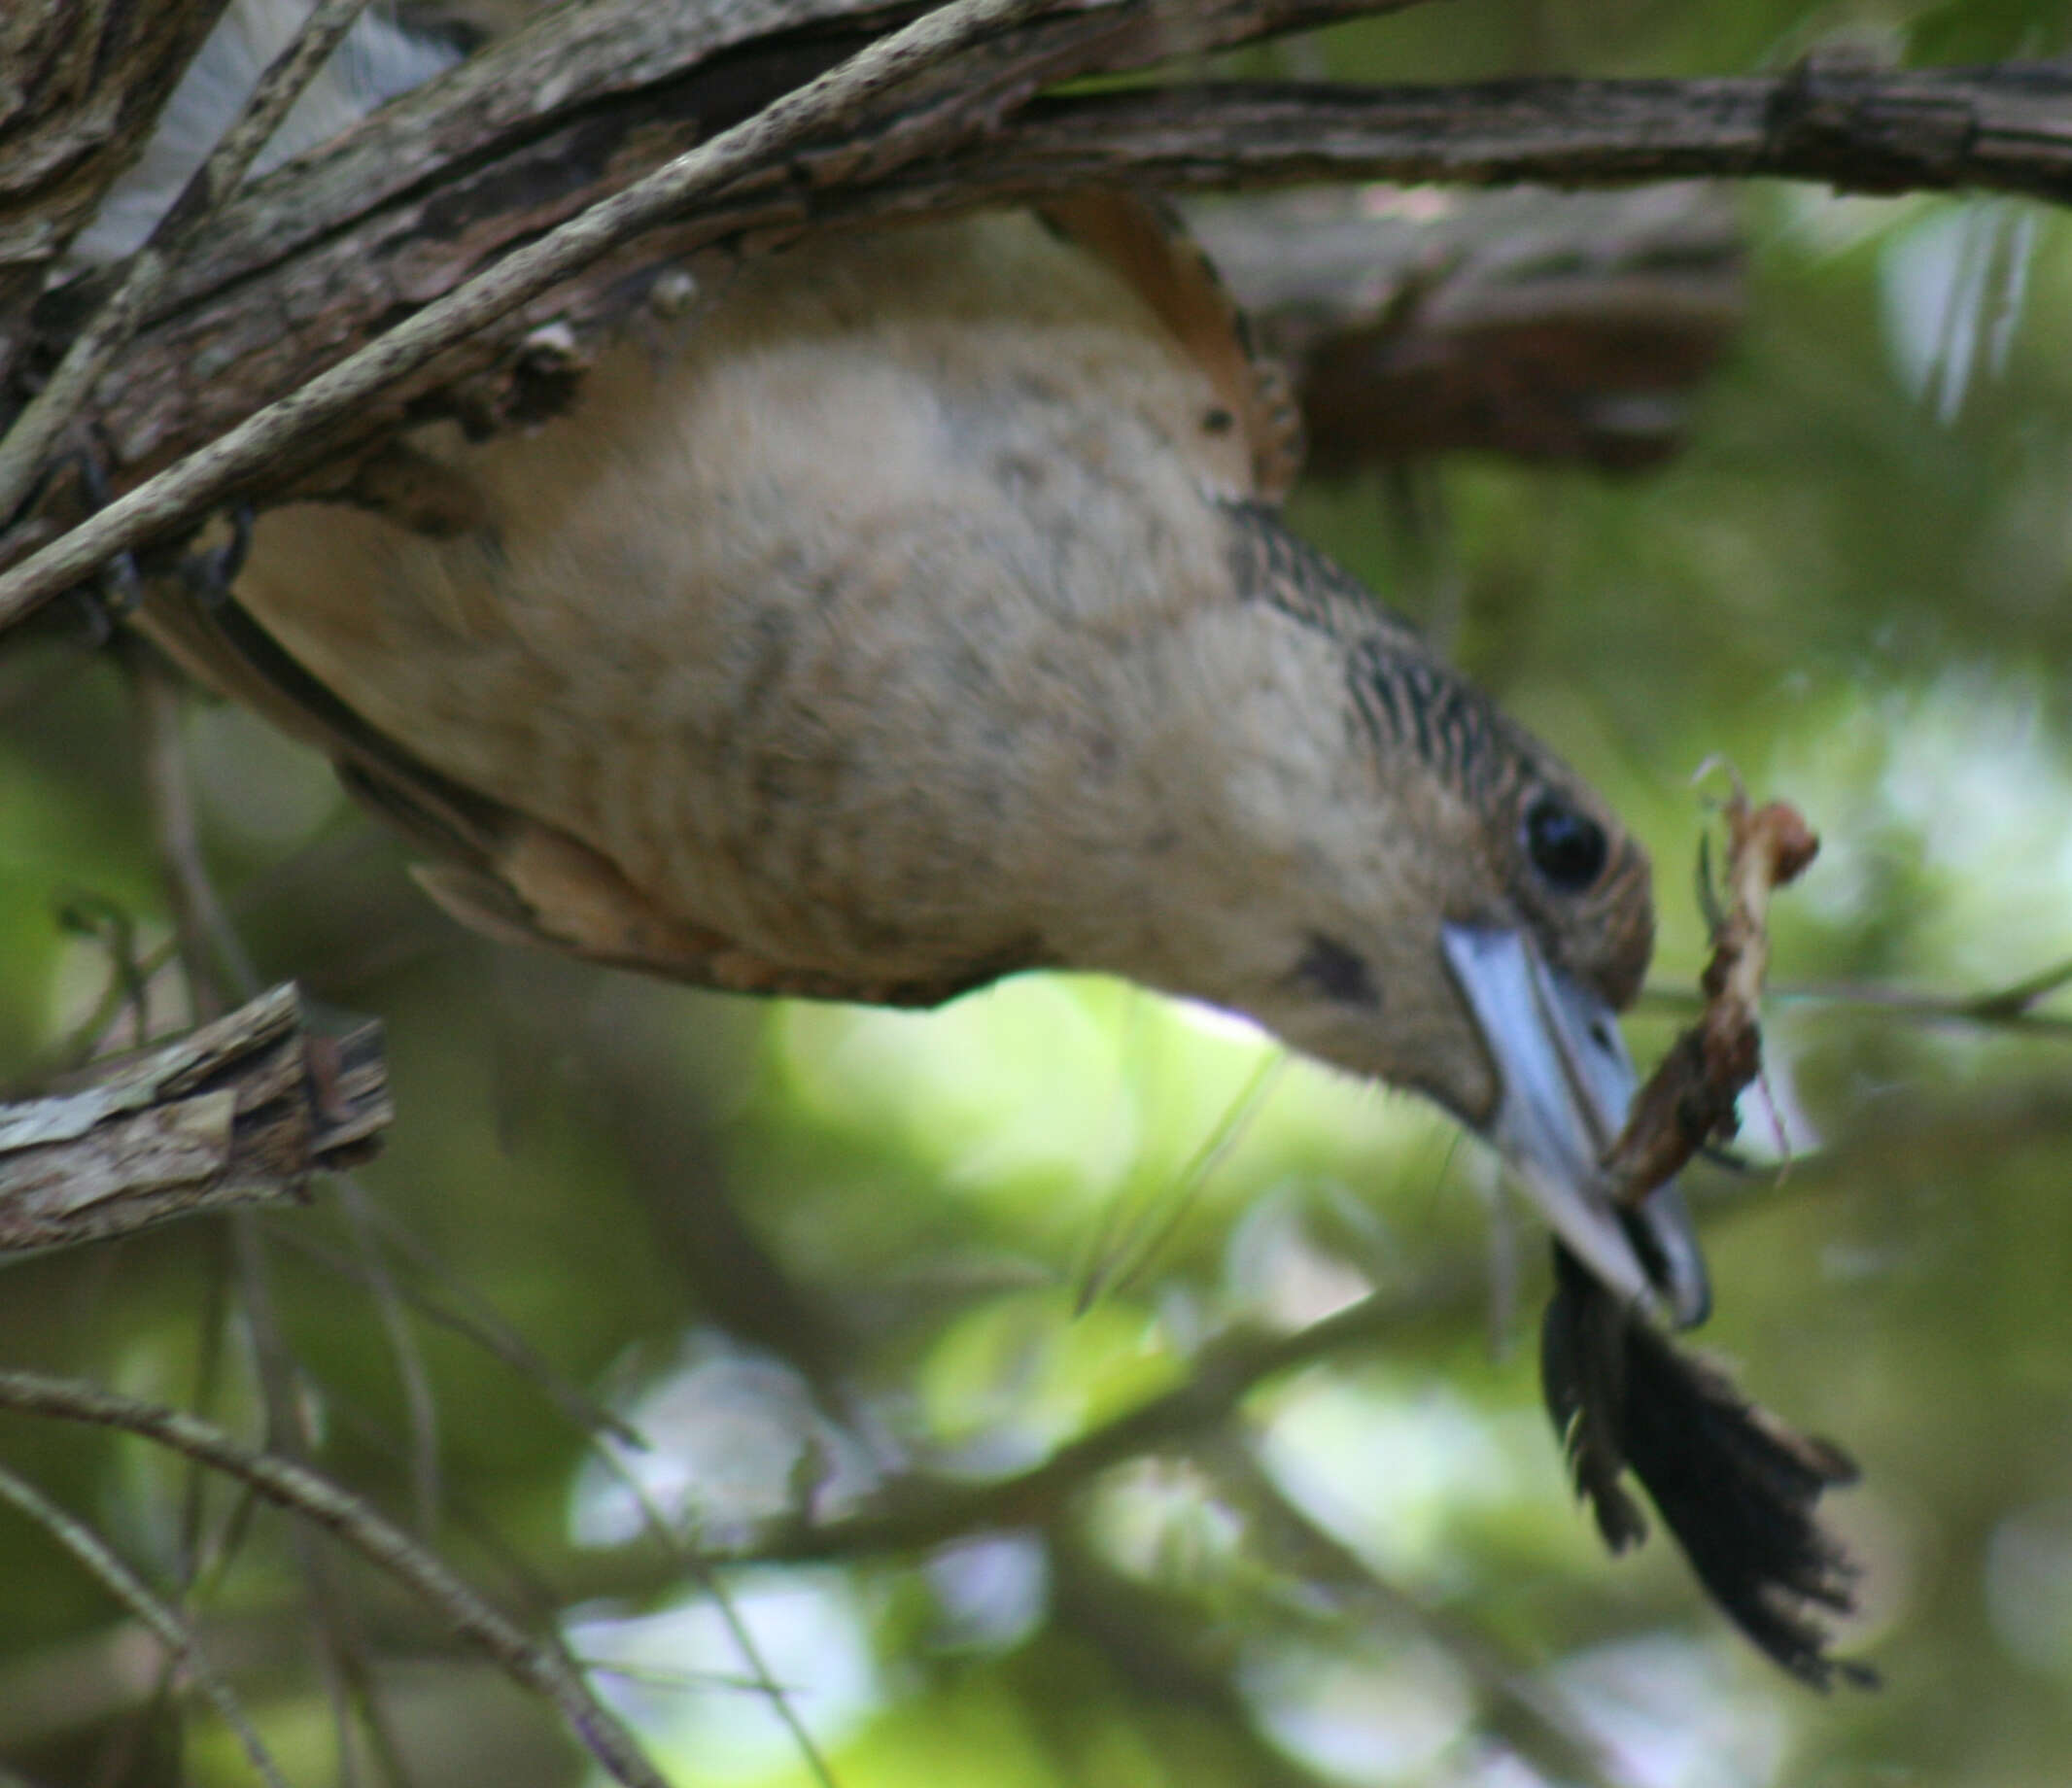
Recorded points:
(916,610)
(917,614)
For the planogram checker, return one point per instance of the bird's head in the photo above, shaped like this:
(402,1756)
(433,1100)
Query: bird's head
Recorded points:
(1460,913)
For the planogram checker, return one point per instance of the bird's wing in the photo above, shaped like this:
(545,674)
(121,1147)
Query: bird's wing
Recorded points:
(1147,246)
(495,869)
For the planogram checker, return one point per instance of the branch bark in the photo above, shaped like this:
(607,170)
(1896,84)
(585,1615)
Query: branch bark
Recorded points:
(240,1111)
(319,261)
(84,84)
(28,441)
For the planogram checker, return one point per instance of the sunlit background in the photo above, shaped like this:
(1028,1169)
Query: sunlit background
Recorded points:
(804,1250)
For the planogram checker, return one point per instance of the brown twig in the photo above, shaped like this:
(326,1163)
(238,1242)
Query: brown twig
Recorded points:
(165,1624)
(1690,1098)
(357,1525)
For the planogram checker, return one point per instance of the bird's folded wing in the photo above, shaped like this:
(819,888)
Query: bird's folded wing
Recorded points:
(1147,247)
(495,870)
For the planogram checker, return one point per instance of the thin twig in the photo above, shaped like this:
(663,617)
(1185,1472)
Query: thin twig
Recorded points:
(707,1577)
(206,476)
(395,1316)
(2009,1008)
(359,1527)
(1540,1721)
(916,1514)
(479,1324)
(46,417)
(127,1588)
(279,1375)
(209,950)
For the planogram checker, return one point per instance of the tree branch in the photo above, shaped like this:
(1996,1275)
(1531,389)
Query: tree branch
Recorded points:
(403,214)
(85,83)
(922,1513)
(164,1623)
(2003,129)
(350,1519)
(29,440)
(288,424)
(240,1111)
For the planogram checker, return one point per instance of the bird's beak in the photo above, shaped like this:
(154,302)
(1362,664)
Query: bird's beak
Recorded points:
(1565,1083)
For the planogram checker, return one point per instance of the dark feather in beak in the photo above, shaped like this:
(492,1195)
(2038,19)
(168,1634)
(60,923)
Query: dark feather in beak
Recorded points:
(1736,1486)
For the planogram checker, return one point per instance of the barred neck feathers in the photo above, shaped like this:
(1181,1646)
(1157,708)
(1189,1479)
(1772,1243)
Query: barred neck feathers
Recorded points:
(1369,797)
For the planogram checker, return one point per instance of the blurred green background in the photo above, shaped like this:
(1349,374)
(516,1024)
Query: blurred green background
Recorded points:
(806,1249)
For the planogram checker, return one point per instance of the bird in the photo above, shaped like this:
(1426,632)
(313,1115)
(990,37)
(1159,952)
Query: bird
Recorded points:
(920,612)
(916,609)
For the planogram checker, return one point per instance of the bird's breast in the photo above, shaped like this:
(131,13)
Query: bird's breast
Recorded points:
(841,623)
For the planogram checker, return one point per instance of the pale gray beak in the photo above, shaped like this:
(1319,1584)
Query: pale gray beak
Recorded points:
(1565,1084)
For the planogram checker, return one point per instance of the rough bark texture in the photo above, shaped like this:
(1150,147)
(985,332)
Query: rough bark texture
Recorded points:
(319,259)
(242,1111)
(81,81)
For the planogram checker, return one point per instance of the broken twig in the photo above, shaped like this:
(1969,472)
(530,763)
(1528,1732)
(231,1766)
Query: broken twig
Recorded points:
(1689,1100)
(241,1111)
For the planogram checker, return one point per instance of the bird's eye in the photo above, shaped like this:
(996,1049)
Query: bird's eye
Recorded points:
(1567,847)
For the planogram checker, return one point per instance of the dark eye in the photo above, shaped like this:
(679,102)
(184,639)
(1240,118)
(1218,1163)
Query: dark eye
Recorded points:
(1566,846)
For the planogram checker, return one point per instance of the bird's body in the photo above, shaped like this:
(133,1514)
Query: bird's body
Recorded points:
(908,616)
(916,610)
(923,640)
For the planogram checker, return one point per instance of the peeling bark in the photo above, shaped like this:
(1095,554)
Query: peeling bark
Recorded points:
(242,1111)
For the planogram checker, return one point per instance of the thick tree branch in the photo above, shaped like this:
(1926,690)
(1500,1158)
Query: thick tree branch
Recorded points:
(34,430)
(320,261)
(84,83)
(241,1111)
(206,476)
(574,108)
(2002,129)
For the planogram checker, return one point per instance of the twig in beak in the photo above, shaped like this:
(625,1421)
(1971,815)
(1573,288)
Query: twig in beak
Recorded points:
(1689,1100)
